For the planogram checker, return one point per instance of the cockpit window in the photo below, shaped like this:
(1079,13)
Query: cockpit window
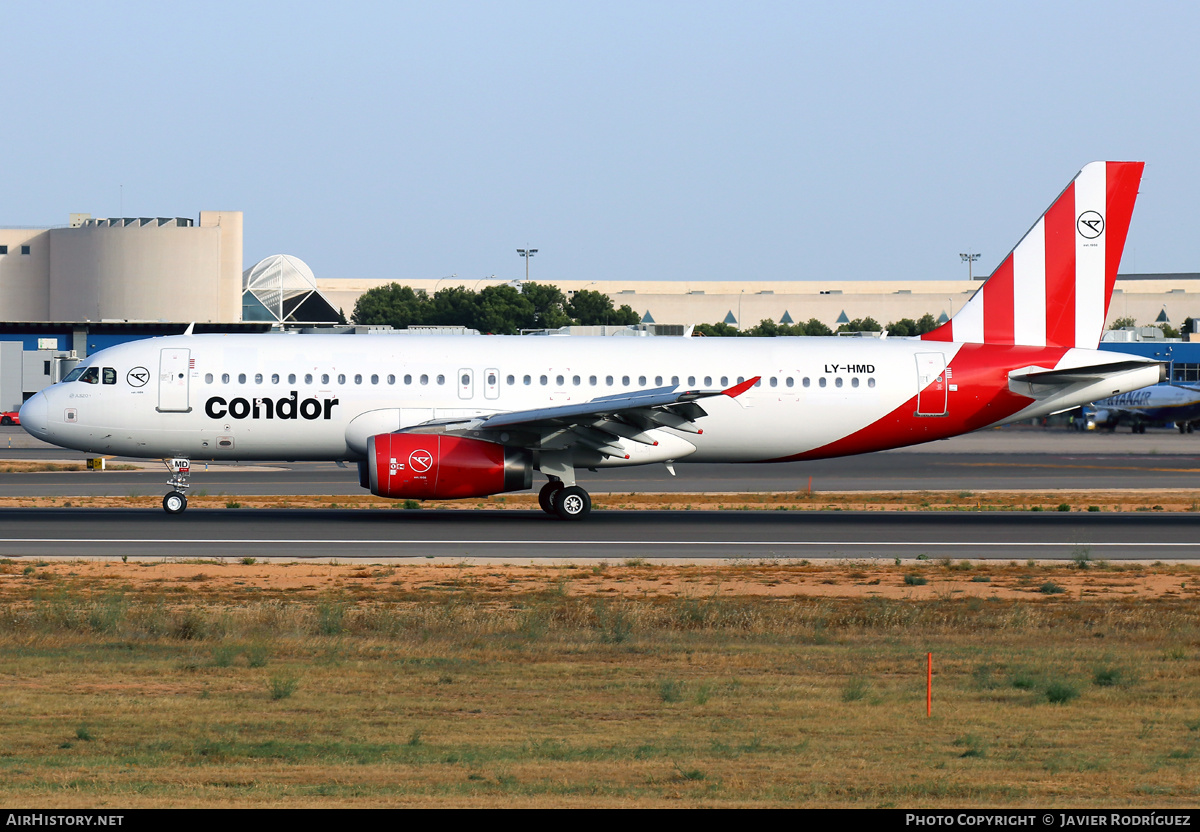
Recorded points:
(91,375)
(109,376)
(74,374)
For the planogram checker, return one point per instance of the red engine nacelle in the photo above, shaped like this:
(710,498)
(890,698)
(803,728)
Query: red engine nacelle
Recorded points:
(428,466)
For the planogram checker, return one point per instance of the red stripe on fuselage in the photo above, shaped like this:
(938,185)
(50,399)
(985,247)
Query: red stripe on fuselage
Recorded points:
(998,305)
(1123,179)
(982,397)
(1060,271)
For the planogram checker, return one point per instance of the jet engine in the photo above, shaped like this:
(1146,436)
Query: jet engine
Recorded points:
(430,466)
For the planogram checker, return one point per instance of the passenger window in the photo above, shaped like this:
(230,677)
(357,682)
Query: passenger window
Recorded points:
(528,380)
(559,381)
(208,378)
(224,378)
(592,380)
(465,380)
(358,378)
(774,381)
(308,378)
(391,379)
(691,381)
(512,380)
(608,380)
(658,381)
(407,379)
(870,382)
(544,381)
(758,383)
(575,380)
(724,381)
(491,378)
(109,375)
(708,381)
(274,378)
(854,381)
(341,378)
(441,379)
(791,382)
(324,378)
(241,378)
(822,381)
(806,381)
(291,378)
(675,380)
(374,379)
(625,380)
(424,378)
(641,381)
(258,378)
(837,382)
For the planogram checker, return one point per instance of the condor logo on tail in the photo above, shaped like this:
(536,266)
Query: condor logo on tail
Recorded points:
(289,407)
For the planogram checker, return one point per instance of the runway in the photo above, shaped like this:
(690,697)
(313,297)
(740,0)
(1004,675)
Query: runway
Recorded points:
(296,534)
(994,460)
(991,460)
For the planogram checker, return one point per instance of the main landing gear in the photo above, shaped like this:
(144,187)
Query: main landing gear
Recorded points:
(176,500)
(567,502)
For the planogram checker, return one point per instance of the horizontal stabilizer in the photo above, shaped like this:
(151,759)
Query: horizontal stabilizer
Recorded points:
(1073,375)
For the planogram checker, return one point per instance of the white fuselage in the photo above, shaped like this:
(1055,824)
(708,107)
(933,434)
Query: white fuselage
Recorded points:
(297,397)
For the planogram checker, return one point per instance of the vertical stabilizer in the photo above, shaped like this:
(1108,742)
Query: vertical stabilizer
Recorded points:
(1053,289)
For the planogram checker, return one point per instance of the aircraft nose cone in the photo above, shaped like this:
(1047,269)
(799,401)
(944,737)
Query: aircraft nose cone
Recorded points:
(35,415)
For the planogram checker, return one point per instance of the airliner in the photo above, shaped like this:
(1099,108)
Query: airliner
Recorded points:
(444,417)
(1175,403)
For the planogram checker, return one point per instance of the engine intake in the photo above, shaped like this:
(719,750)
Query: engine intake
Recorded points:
(427,466)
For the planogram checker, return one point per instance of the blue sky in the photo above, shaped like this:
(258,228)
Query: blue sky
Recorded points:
(648,140)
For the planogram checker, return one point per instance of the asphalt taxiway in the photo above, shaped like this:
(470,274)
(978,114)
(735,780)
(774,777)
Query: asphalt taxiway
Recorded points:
(1012,459)
(518,536)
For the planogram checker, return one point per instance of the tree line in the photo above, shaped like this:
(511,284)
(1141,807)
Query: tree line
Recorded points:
(506,310)
(501,310)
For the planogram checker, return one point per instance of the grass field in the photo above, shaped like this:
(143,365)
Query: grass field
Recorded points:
(635,684)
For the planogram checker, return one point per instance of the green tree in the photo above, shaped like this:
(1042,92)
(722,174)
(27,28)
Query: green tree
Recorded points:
(1121,323)
(548,305)
(453,306)
(393,305)
(926,323)
(503,310)
(721,330)
(590,308)
(867,324)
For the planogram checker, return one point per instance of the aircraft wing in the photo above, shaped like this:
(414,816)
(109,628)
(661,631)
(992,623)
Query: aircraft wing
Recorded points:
(599,424)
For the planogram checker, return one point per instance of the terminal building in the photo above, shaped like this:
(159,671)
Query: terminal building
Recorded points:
(68,291)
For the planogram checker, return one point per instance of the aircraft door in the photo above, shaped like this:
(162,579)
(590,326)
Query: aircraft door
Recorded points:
(174,371)
(466,384)
(931,384)
(491,388)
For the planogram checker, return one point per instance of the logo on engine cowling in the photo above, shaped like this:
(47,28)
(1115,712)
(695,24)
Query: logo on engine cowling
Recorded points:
(420,461)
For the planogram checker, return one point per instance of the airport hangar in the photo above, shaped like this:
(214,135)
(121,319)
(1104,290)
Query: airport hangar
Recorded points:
(68,291)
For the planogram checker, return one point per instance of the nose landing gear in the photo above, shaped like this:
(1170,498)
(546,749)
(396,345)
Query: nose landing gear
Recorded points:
(176,500)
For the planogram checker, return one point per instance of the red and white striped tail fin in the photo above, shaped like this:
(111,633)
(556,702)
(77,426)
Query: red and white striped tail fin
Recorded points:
(1053,289)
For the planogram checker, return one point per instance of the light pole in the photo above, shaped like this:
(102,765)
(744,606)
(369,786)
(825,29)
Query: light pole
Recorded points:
(480,280)
(969,259)
(527,253)
(440,279)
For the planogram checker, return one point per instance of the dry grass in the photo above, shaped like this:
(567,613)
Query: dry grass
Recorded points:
(217,683)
